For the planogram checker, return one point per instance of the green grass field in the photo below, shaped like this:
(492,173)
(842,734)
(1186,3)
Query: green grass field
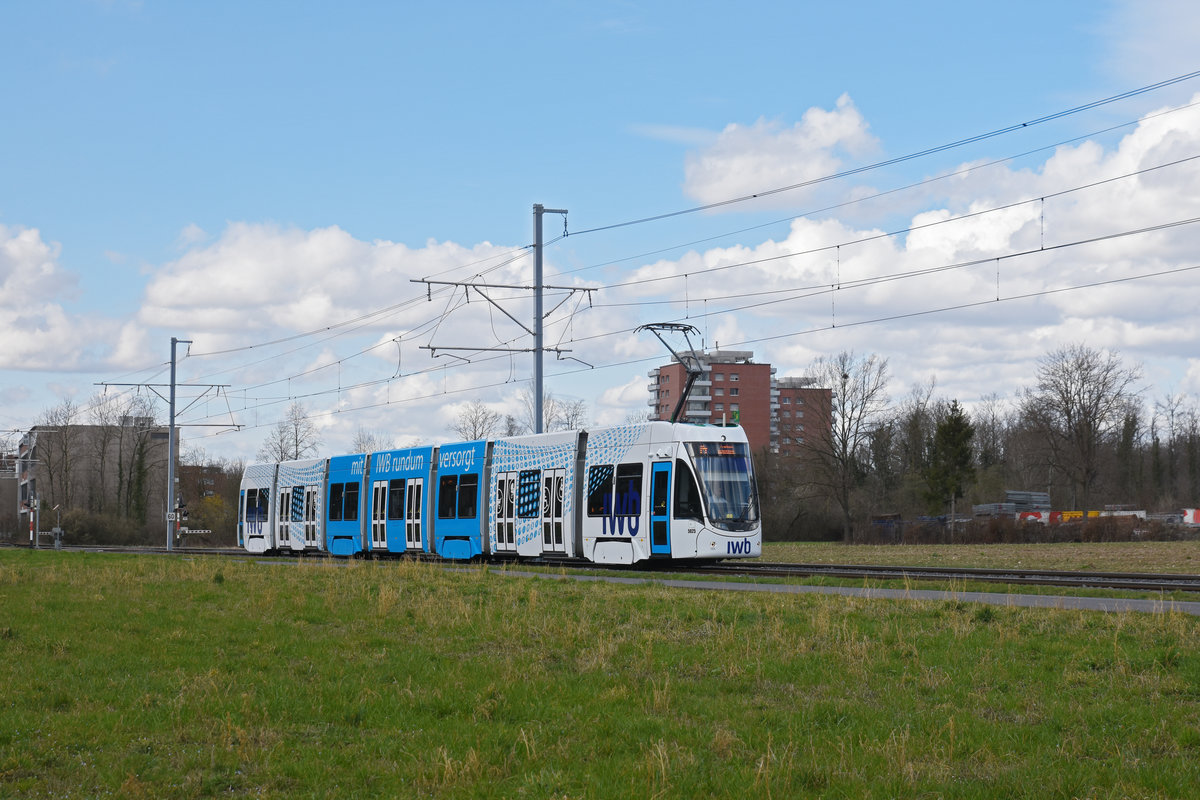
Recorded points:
(149,676)
(1173,557)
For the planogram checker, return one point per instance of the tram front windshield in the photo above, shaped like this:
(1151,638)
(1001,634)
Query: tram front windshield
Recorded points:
(727,483)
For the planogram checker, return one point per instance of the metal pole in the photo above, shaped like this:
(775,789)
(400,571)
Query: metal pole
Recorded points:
(538,210)
(171,437)
(171,452)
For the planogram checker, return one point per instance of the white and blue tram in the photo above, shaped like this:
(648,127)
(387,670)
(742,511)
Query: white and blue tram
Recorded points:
(619,495)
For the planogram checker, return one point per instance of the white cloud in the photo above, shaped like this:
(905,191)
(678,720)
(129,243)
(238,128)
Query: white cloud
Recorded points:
(616,402)
(258,282)
(36,331)
(983,346)
(767,155)
(1152,40)
(678,134)
(191,235)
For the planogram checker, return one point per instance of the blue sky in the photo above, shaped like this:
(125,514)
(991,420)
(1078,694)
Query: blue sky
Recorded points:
(238,173)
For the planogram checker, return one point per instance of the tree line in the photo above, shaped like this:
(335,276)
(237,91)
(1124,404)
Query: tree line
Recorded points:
(1086,432)
(98,469)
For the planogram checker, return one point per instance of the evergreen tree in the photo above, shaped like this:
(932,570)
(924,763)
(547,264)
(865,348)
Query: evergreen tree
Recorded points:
(951,464)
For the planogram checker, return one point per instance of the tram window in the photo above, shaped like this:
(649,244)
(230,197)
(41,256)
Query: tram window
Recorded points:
(396,499)
(351,512)
(447,496)
(628,500)
(336,491)
(297,512)
(468,496)
(510,497)
(529,493)
(662,480)
(687,496)
(254,506)
(600,479)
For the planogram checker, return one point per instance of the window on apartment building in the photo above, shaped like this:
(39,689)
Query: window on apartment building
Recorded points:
(664,378)
(733,376)
(719,392)
(787,414)
(718,376)
(787,401)
(718,406)
(733,407)
(733,392)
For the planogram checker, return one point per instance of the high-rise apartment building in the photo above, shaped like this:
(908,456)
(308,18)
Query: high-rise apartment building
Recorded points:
(733,388)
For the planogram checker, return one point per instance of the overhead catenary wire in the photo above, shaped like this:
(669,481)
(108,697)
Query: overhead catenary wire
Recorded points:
(965,170)
(844,285)
(897,160)
(1040,198)
(915,155)
(752,341)
(522,251)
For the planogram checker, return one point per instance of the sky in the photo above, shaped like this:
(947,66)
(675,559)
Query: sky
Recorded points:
(265,182)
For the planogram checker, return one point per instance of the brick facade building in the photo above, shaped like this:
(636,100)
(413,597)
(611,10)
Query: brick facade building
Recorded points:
(776,414)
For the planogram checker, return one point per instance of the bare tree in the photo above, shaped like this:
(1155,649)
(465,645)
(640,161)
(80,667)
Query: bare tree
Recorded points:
(528,418)
(58,450)
(136,459)
(106,412)
(476,421)
(370,441)
(992,424)
(635,417)
(122,455)
(1079,402)
(293,437)
(569,415)
(989,422)
(859,399)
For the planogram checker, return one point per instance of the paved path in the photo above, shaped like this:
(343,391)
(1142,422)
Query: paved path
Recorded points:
(991,598)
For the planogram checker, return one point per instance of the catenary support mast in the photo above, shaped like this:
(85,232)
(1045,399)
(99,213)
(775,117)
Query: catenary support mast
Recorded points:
(539,314)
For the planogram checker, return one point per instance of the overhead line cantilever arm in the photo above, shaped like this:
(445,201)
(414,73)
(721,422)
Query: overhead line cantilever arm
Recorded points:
(525,287)
(693,368)
(502,311)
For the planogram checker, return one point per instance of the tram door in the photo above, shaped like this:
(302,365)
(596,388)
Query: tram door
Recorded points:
(310,516)
(506,511)
(660,519)
(379,496)
(283,519)
(412,517)
(552,511)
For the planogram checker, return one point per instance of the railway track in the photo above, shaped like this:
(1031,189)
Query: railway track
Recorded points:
(763,570)
(1135,581)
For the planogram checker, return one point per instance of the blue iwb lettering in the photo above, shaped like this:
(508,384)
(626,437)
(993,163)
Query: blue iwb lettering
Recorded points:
(625,512)
(738,548)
